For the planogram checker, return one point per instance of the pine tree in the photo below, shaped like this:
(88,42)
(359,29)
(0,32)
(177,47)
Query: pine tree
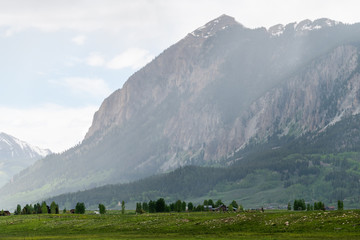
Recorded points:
(299,204)
(102,209)
(145,206)
(172,207)
(340,205)
(80,208)
(177,207)
(18,210)
(123,207)
(160,205)
(190,206)
(44,209)
(138,208)
(152,208)
(183,206)
(53,207)
(37,208)
(319,206)
(234,204)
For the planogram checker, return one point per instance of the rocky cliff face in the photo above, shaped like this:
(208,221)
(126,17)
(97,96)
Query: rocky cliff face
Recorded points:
(207,96)
(318,96)
(180,69)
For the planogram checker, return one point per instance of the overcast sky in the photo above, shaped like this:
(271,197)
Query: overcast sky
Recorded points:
(60,58)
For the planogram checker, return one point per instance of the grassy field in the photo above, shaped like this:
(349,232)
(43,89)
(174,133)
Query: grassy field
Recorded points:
(204,225)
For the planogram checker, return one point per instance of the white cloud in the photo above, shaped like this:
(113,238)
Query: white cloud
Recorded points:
(49,126)
(95,60)
(96,87)
(79,40)
(133,58)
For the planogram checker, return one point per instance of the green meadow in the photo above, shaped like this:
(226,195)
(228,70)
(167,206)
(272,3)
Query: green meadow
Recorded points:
(199,225)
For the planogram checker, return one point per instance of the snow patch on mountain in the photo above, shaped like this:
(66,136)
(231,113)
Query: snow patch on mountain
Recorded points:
(276,30)
(20,148)
(212,27)
(16,155)
(302,27)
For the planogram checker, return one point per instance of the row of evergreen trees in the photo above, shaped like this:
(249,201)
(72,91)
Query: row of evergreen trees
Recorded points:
(299,204)
(38,208)
(43,208)
(180,206)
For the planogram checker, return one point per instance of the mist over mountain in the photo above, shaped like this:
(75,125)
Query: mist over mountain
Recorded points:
(202,100)
(16,155)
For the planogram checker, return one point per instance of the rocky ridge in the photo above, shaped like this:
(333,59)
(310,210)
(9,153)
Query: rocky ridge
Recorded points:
(303,27)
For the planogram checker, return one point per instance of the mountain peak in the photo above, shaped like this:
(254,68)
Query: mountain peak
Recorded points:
(303,26)
(16,155)
(212,27)
(18,148)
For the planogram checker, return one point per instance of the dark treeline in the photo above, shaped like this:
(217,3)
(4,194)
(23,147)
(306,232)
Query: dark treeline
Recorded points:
(299,205)
(160,205)
(43,208)
(38,208)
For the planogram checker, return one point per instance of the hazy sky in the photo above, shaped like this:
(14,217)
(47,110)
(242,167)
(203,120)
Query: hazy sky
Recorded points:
(60,58)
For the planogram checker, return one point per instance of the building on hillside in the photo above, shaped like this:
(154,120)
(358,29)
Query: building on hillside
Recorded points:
(222,208)
(5,213)
(330,208)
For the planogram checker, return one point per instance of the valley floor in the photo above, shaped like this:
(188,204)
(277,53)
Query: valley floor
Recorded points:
(204,225)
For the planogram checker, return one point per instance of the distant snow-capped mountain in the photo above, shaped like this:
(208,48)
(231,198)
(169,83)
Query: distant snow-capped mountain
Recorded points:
(16,155)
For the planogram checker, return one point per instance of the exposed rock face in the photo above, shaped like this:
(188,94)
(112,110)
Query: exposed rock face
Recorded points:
(326,91)
(206,97)
(181,68)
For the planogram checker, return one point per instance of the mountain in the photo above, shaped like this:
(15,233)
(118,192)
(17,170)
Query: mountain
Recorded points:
(16,155)
(220,89)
